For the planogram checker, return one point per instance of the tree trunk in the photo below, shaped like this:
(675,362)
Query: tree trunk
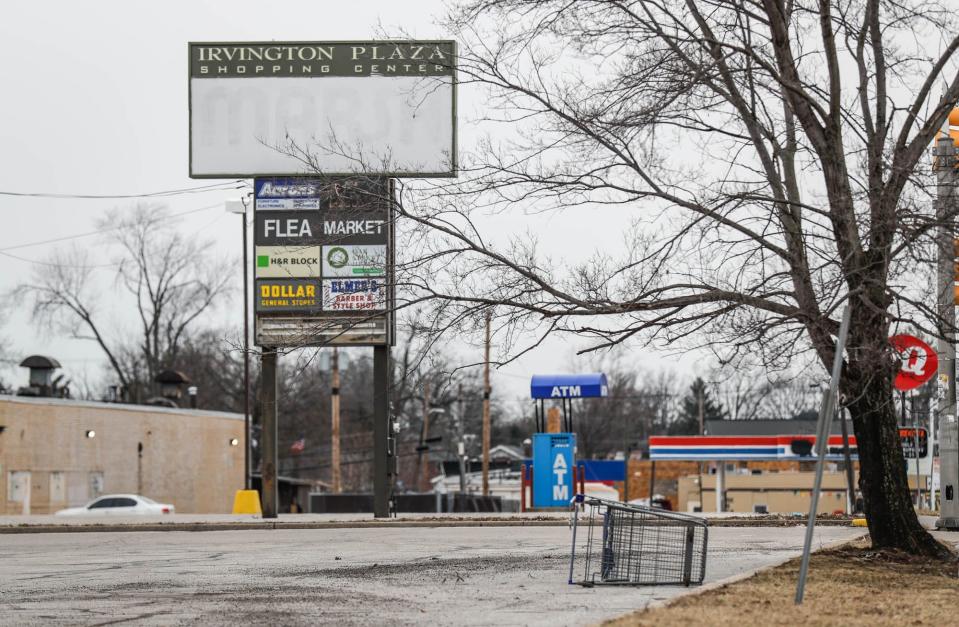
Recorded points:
(882,472)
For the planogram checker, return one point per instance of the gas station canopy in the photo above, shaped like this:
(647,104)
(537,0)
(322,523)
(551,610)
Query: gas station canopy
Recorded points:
(547,386)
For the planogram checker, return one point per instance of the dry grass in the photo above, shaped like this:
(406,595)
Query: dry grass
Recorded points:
(851,585)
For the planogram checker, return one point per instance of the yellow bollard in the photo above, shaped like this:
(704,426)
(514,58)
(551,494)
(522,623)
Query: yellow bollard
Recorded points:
(247,502)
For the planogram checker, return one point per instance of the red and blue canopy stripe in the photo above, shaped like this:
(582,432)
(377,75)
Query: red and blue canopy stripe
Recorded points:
(775,447)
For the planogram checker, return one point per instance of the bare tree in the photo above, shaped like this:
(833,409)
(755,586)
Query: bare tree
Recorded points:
(791,399)
(171,277)
(741,393)
(750,393)
(772,151)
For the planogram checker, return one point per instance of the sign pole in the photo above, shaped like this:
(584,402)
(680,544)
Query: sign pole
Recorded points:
(247,479)
(904,422)
(915,426)
(268,437)
(720,484)
(382,473)
(652,480)
(337,479)
(822,434)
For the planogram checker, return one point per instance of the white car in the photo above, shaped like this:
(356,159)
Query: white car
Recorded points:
(119,505)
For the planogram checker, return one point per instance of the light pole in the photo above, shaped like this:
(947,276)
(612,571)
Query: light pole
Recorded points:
(947,179)
(239,206)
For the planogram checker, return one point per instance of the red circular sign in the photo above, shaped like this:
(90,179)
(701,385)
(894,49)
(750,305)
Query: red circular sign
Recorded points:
(919,362)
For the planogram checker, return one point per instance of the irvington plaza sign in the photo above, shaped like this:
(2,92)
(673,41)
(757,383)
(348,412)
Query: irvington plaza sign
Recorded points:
(379,107)
(335,59)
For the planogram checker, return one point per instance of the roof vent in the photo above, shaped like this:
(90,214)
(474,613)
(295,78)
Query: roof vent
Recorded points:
(171,385)
(42,381)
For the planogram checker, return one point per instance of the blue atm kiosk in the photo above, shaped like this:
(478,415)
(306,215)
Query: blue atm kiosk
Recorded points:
(553,453)
(553,469)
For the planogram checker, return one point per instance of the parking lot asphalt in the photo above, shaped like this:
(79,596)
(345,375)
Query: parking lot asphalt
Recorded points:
(443,575)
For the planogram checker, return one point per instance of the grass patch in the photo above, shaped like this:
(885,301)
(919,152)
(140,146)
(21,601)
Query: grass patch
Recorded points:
(850,585)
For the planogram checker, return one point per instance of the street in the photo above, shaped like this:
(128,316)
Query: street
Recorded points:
(479,575)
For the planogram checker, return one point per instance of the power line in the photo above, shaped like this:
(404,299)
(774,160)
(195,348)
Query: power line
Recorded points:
(101,231)
(237,184)
(53,264)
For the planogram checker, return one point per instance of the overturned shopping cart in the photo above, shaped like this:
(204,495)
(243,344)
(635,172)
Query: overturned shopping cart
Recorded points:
(635,545)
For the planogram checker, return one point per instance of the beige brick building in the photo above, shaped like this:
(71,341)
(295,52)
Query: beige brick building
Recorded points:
(57,453)
(773,492)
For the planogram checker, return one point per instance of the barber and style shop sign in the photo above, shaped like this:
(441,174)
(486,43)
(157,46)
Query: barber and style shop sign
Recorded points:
(322,246)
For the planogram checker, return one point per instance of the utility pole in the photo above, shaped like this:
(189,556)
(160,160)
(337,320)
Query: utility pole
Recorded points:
(486,420)
(425,434)
(462,433)
(946,206)
(335,429)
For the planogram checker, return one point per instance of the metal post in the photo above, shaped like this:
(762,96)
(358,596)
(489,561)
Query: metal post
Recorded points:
(462,456)
(931,439)
(652,481)
(337,476)
(486,417)
(268,436)
(701,404)
(626,455)
(822,434)
(247,479)
(720,486)
(522,488)
(903,422)
(915,440)
(382,467)
(946,209)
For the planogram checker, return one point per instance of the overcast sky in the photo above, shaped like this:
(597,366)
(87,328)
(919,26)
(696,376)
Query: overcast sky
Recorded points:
(95,102)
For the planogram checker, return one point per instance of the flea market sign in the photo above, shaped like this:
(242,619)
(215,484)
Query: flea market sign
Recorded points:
(323,250)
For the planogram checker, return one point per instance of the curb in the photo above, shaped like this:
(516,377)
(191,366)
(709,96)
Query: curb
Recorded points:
(270,526)
(714,585)
(357,524)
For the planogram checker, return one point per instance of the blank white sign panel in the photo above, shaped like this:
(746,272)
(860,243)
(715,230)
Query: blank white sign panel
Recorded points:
(243,127)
